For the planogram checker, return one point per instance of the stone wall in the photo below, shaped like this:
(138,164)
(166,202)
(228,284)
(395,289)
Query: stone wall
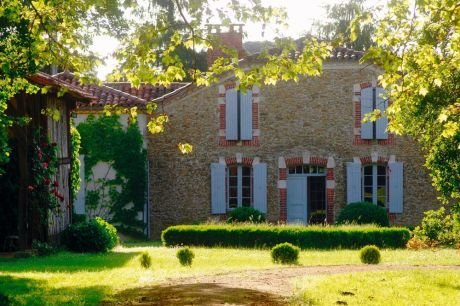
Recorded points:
(314,116)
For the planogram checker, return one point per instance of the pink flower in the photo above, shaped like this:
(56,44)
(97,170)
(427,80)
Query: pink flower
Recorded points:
(46,182)
(40,156)
(55,184)
(30,188)
(45,165)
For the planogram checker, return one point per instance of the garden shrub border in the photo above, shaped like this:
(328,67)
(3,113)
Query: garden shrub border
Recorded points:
(267,236)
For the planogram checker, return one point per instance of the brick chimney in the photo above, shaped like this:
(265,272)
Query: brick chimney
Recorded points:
(232,38)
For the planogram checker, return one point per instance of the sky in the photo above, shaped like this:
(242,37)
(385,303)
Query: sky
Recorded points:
(301,15)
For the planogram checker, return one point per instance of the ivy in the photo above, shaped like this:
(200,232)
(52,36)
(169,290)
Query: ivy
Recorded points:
(103,139)
(75,143)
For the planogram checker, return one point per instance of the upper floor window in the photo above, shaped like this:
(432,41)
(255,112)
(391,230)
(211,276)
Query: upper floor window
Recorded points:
(307,169)
(373,98)
(238,115)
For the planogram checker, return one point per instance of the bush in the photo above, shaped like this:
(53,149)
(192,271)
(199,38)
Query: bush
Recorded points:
(4,300)
(145,260)
(267,236)
(438,228)
(363,213)
(185,256)
(43,248)
(95,235)
(370,255)
(285,253)
(246,214)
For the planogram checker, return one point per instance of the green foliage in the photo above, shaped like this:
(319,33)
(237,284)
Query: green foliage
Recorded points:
(246,214)
(43,163)
(340,27)
(266,236)
(75,142)
(43,248)
(103,139)
(363,213)
(439,228)
(418,47)
(370,254)
(185,256)
(95,235)
(285,253)
(145,260)
(4,299)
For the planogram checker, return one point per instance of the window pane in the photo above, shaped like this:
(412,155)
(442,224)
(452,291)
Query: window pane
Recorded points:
(321,170)
(298,169)
(368,170)
(246,171)
(291,170)
(233,171)
(381,170)
(233,181)
(306,168)
(368,192)
(233,192)
(381,180)
(232,203)
(367,180)
(246,181)
(246,193)
(246,203)
(381,202)
(368,199)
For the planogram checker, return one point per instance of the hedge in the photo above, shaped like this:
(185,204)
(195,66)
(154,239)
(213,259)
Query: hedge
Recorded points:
(267,236)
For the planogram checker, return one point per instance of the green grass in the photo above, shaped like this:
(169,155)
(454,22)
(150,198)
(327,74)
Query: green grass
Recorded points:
(86,279)
(381,288)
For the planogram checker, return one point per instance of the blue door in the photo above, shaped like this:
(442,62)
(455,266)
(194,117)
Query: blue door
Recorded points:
(297,199)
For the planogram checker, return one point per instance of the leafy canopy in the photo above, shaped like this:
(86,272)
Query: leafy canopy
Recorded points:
(418,47)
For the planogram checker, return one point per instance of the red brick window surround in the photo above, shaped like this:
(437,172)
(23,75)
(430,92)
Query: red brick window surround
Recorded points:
(357,140)
(222,117)
(285,163)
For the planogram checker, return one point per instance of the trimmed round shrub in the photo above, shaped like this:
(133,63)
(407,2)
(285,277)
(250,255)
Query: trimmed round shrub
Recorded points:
(363,213)
(96,235)
(370,255)
(145,260)
(285,253)
(246,214)
(185,256)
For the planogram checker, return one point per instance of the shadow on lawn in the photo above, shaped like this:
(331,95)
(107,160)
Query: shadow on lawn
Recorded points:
(67,262)
(25,291)
(195,294)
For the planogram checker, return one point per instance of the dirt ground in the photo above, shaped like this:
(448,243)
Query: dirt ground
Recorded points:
(252,287)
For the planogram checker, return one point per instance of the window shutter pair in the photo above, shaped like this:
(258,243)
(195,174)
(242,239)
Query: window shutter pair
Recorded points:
(367,106)
(395,185)
(218,198)
(238,119)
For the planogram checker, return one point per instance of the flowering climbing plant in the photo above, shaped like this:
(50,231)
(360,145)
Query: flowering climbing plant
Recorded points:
(43,187)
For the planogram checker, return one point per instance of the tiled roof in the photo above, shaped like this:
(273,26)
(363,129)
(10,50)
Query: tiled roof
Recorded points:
(44,79)
(120,93)
(145,91)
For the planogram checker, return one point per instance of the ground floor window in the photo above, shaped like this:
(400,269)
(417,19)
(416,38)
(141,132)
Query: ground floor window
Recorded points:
(375,184)
(239,186)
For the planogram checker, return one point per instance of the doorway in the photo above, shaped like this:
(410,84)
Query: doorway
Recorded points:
(306,194)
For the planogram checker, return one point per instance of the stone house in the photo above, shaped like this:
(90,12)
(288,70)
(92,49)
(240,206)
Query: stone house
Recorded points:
(298,152)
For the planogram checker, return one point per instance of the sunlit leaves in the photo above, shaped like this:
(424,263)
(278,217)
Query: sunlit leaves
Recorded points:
(157,124)
(52,113)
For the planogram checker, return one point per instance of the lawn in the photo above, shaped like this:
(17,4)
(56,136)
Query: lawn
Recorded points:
(381,288)
(87,279)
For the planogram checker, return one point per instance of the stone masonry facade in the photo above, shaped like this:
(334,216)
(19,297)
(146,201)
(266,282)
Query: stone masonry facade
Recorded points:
(314,122)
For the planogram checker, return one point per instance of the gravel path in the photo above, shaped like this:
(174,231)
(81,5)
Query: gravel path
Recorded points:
(252,287)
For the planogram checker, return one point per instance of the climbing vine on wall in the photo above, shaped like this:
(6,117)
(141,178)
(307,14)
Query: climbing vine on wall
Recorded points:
(75,143)
(103,139)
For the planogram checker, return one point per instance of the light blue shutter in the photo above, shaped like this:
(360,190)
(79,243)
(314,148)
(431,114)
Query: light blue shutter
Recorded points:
(396,187)
(382,123)
(260,187)
(353,182)
(246,115)
(366,107)
(218,203)
(231,115)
